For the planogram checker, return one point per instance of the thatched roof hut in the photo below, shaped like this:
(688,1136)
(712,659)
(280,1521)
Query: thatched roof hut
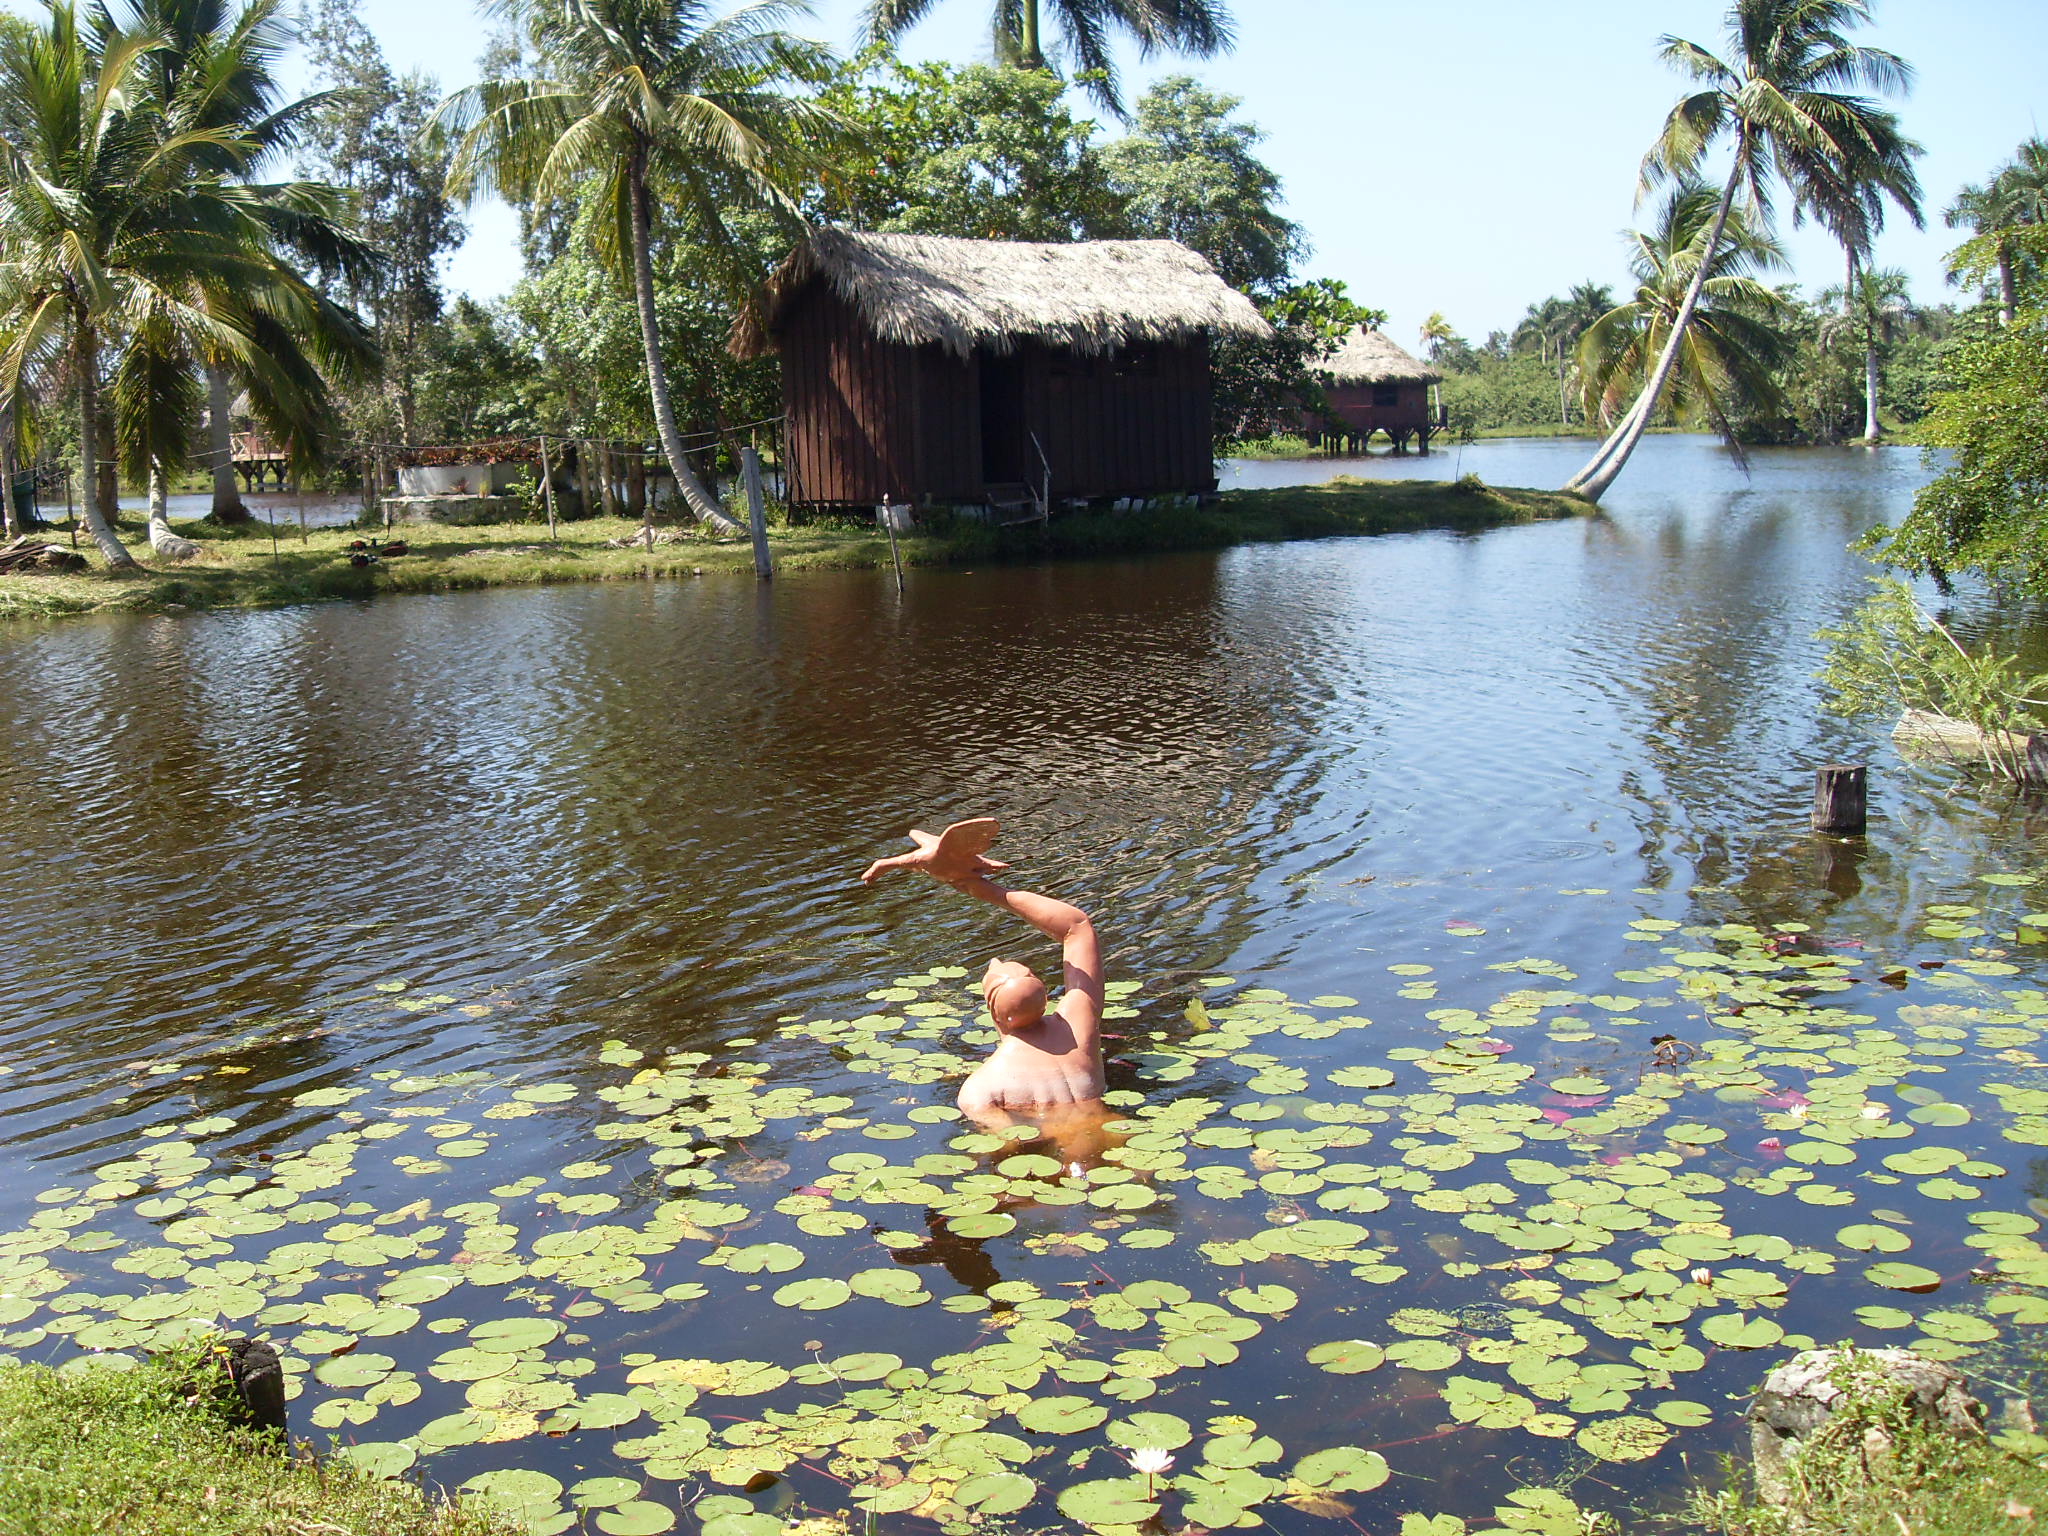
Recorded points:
(1367,357)
(920,368)
(1091,298)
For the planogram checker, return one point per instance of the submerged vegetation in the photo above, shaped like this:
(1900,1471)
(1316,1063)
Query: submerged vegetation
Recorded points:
(1577,1227)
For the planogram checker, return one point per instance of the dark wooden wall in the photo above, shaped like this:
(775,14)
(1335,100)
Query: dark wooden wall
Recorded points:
(869,420)
(1353,405)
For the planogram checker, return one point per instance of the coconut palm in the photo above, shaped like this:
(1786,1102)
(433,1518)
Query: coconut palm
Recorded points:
(215,69)
(640,99)
(1782,96)
(2016,196)
(1731,341)
(131,248)
(1876,309)
(1201,28)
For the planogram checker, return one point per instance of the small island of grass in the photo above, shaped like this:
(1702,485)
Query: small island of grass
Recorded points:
(239,568)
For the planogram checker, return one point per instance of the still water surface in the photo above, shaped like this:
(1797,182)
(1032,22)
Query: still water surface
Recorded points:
(635,813)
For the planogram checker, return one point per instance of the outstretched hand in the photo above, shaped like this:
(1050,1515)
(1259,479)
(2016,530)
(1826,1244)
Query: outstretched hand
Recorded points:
(946,857)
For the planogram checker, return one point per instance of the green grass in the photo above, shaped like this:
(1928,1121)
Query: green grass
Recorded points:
(240,570)
(107,1452)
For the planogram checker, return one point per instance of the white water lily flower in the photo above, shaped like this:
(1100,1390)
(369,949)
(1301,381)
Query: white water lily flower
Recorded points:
(1702,1275)
(1876,1111)
(1797,1111)
(1151,1460)
(1076,1171)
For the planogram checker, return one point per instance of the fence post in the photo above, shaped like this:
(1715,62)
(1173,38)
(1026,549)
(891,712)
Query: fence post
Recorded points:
(757,511)
(1840,798)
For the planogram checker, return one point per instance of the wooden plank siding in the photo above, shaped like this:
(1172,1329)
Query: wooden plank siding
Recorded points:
(1355,406)
(868,419)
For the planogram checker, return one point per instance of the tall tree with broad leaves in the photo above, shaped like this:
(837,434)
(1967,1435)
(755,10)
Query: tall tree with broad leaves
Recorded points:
(1784,101)
(1190,171)
(369,137)
(648,101)
(1199,28)
(1694,253)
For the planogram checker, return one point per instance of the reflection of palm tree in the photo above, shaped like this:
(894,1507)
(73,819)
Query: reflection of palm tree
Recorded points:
(1876,310)
(639,98)
(1198,27)
(1780,94)
(1727,354)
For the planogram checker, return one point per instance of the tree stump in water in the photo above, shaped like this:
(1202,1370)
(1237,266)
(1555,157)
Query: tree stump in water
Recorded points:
(256,1385)
(1849,1397)
(1841,798)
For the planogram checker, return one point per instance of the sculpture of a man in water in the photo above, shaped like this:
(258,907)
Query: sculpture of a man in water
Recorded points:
(1047,1063)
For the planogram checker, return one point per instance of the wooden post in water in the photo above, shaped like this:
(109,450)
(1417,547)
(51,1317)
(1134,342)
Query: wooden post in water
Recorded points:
(547,483)
(757,512)
(1841,798)
(889,522)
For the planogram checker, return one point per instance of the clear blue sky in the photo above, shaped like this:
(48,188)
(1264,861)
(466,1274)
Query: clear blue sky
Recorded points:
(1468,156)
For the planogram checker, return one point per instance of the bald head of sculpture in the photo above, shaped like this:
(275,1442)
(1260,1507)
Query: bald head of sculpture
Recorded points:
(1013,994)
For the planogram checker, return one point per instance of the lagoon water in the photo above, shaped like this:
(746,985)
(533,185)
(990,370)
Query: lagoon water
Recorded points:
(583,823)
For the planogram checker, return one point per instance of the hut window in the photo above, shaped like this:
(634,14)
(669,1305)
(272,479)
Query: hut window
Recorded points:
(1384,395)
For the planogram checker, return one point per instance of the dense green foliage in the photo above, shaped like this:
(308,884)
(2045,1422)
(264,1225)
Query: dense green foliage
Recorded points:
(91,1451)
(1891,656)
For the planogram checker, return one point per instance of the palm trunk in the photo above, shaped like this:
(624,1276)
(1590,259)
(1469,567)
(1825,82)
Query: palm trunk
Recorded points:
(87,355)
(7,522)
(1592,481)
(2008,299)
(166,543)
(695,496)
(220,442)
(1030,44)
(1564,414)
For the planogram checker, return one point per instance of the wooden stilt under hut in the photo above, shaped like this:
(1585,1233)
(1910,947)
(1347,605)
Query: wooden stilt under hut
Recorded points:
(1372,386)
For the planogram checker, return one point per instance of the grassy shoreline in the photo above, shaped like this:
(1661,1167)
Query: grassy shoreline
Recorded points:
(238,569)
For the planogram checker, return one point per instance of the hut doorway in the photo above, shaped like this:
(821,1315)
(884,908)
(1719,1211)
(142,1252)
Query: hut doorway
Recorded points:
(1002,420)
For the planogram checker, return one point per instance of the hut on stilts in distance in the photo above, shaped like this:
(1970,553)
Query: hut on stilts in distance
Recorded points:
(1002,374)
(1370,385)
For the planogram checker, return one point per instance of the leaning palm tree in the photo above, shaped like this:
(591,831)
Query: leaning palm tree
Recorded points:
(1701,263)
(645,99)
(1782,97)
(1201,28)
(1876,309)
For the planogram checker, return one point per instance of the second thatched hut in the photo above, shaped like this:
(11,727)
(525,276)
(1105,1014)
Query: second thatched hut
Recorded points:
(1371,386)
(923,369)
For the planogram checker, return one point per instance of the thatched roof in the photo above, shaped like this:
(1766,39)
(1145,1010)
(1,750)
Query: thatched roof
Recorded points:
(1093,297)
(1367,357)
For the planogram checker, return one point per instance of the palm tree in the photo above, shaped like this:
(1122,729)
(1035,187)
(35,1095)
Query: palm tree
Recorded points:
(1781,95)
(1201,28)
(2017,195)
(1732,339)
(1437,333)
(215,69)
(128,241)
(1877,308)
(647,97)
